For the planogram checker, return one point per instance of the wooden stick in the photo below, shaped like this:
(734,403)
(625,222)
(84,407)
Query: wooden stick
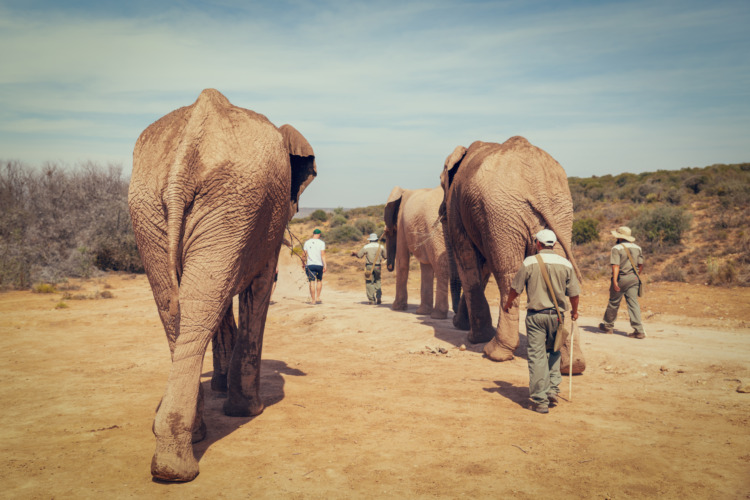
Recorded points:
(570,364)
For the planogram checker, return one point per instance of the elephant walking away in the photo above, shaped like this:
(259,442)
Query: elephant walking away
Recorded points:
(213,187)
(496,197)
(412,228)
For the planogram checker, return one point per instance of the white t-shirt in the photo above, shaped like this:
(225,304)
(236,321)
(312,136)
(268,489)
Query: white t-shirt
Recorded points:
(313,247)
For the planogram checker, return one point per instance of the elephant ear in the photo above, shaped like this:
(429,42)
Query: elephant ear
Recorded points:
(390,214)
(302,158)
(451,166)
(446,178)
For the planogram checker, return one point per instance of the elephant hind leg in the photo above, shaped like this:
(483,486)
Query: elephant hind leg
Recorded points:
(243,383)
(505,341)
(222,346)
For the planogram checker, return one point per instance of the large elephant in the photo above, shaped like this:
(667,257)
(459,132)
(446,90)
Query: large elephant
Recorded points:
(212,189)
(496,197)
(412,228)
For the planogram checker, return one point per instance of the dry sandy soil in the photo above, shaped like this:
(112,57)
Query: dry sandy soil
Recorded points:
(362,403)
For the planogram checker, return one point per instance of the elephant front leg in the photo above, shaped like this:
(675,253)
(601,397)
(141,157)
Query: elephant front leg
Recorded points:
(401,301)
(243,383)
(222,347)
(426,292)
(505,342)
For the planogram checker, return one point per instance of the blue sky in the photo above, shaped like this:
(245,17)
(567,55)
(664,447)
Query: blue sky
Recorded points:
(384,90)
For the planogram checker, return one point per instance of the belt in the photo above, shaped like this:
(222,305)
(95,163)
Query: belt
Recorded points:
(543,311)
(376,265)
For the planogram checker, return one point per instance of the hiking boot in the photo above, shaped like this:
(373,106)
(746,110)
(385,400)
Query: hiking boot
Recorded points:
(637,335)
(605,328)
(540,408)
(553,399)
(377,301)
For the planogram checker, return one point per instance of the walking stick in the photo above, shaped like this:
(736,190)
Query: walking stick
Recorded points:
(570,364)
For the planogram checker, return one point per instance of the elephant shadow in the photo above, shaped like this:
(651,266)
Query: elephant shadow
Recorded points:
(445,331)
(519,395)
(220,425)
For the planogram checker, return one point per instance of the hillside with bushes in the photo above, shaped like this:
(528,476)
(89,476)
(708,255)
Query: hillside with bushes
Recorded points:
(60,222)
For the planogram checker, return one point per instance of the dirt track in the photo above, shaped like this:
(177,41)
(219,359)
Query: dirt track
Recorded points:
(359,407)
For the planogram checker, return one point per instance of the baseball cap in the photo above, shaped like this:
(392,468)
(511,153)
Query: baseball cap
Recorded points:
(373,237)
(317,231)
(546,237)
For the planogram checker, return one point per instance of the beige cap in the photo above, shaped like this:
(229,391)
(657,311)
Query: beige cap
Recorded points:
(623,232)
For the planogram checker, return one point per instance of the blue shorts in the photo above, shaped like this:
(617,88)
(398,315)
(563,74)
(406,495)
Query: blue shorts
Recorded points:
(314,272)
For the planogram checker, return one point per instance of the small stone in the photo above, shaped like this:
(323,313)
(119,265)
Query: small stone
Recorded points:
(462,348)
(744,388)
(664,369)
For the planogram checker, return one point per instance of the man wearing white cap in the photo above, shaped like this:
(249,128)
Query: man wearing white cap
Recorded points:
(626,281)
(541,315)
(374,253)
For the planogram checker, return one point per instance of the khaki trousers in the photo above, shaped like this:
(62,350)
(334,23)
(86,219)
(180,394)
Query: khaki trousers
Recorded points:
(628,284)
(372,286)
(544,366)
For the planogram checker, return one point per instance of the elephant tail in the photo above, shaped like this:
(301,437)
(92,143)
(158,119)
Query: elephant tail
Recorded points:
(182,184)
(566,246)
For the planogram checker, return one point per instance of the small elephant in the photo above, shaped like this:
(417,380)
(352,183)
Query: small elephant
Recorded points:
(496,197)
(412,227)
(212,190)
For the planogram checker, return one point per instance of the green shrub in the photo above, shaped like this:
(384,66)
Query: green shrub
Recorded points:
(365,226)
(319,215)
(44,288)
(338,220)
(343,234)
(585,230)
(662,225)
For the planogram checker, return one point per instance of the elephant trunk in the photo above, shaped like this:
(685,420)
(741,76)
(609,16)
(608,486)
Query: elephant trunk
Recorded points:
(390,248)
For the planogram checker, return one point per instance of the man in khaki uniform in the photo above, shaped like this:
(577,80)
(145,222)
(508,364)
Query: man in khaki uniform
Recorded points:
(625,282)
(374,253)
(541,316)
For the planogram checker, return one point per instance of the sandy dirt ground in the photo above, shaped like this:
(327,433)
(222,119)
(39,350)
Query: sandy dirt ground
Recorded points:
(365,402)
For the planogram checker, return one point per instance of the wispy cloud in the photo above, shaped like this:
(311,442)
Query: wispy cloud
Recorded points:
(387,86)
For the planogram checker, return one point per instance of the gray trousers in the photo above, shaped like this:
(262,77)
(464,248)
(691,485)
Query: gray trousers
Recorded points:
(629,289)
(544,366)
(372,286)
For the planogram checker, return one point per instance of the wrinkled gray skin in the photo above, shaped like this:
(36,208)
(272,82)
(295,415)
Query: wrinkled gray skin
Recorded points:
(412,227)
(212,190)
(496,198)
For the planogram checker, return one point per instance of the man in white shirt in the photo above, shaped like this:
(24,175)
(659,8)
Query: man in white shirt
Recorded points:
(315,264)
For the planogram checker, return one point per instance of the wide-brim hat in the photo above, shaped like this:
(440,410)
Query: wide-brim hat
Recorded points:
(623,233)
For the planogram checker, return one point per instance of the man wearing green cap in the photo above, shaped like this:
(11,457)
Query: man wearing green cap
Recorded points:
(315,264)
(626,259)
(374,253)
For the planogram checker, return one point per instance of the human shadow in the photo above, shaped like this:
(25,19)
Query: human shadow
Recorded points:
(218,424)
(595,329)
(519,395)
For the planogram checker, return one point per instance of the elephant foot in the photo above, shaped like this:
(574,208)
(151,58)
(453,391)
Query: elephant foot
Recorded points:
(497,352)
(439,314)
(397,306)
(219,382)
(199,434)
(483,335)
(174,460)
(461,322)
(424,310)
(246,409)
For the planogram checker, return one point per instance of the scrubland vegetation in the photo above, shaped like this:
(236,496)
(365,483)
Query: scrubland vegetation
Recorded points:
(58,222)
